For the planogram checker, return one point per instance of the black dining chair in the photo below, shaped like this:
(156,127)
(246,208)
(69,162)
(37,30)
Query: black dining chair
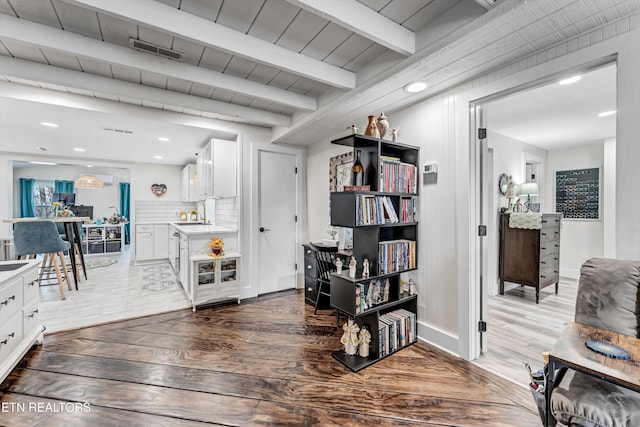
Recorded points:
(325,265)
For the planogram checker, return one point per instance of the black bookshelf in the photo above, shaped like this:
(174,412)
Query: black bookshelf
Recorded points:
(346,211)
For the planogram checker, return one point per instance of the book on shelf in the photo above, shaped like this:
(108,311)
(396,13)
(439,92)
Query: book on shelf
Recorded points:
(397,177)
(378,210)
(396,255)
(356,188)
(396,330)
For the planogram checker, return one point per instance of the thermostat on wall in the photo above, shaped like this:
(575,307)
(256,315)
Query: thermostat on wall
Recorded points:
(430,168)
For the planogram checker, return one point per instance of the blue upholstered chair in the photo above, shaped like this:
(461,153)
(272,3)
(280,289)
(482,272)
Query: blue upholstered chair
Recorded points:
(41,237)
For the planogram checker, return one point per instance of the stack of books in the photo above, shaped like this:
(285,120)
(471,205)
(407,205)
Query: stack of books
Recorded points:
(396,255)
(375,210)
(397,177)
(395,330)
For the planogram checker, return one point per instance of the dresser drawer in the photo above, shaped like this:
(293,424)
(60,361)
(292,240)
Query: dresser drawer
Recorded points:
(10,299)
(549,274)
(30,316)
(549,234)
(549,261)
(550,248)
(310,267)
(30,287)
(10,335)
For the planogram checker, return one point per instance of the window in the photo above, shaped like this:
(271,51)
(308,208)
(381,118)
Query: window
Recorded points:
(42,194)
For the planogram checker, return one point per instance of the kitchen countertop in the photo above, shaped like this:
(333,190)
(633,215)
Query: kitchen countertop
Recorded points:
(193,229)
(8,274)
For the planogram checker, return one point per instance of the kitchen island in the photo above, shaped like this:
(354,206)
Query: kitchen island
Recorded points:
(189,255)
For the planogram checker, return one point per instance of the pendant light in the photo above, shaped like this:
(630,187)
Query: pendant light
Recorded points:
(88,181)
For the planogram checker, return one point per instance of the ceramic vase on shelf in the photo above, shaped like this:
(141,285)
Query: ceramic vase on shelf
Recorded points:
(383,125)
(372,128)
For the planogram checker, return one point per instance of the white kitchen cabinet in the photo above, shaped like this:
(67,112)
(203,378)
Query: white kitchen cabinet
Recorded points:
(217,169)
(152,241)
(214,279)
(19,324)
(189,183)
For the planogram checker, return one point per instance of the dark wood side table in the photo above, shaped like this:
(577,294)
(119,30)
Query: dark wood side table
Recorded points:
(570,352)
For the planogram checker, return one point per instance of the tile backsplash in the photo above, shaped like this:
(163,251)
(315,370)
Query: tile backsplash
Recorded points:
(226,211)
(151,211)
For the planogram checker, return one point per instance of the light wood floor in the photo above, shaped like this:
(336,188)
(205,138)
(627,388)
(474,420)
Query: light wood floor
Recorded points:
(110,293)
(519,330)
(264,362)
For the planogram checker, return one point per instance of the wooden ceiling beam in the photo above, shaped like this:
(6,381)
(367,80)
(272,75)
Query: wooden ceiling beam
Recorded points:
(202,31)
(42,73)
(67,42)
(362,20)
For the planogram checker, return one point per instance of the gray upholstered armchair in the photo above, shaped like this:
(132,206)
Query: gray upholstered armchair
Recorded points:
(608,298)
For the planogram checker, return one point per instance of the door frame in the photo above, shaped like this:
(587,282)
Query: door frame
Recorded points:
(250,219)
(474,342)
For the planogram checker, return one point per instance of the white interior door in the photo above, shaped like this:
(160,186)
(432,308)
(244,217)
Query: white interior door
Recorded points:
(276,222)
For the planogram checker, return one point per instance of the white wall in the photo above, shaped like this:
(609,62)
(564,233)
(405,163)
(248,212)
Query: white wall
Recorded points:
(449,250)
(144,175)
(580,239)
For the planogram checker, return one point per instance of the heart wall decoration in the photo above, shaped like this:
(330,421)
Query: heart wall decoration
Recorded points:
(158,189)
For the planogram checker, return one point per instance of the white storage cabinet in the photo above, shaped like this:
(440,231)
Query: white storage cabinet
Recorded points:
(152,241)
(214,279)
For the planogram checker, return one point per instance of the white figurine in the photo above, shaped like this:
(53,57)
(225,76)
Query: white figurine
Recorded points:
(394,134)
(412,287)
(385,295)
(352,267)
(363,341)
(404,287)
(338,265)
(365,268)
(350,337)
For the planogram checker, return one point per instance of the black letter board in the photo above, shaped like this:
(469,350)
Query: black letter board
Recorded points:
(578,193)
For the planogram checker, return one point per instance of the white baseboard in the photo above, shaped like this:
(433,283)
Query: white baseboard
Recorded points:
(570,273)
(437,338)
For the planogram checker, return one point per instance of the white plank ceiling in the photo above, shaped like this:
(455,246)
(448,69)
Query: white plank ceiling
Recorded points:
(292,66)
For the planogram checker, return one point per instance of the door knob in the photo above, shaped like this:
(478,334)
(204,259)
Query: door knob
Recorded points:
(262,229)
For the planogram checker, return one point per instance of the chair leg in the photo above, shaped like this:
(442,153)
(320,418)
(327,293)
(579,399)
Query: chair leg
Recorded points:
(50,266)
(43,267)
(315,310)
(64,268)
(57,268)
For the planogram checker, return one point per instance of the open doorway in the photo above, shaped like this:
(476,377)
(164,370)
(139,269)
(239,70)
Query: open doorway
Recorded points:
(532,136)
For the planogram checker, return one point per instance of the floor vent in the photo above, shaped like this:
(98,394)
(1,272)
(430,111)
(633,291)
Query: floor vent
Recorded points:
(157,50)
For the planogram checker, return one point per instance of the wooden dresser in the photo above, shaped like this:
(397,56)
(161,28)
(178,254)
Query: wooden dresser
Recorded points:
(530,257)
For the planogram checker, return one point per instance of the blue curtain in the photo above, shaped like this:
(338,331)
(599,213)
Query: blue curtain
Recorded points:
(124,208)
(61,186)
(26,197)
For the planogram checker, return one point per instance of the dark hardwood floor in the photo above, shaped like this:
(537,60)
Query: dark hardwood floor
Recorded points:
(264,362)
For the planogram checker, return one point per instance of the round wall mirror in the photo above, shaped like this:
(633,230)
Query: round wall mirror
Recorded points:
(503,183)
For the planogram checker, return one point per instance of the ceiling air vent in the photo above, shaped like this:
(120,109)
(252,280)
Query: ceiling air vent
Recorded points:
(152,48)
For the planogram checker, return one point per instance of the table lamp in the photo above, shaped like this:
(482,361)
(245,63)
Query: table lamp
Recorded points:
(528,189)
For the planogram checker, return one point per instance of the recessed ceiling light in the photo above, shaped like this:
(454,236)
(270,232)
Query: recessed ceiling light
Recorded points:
(569,80)
(89,166)
(163,139)
(157,157)
(79,149)
(607,113)
(43,163)
(416,87)
(51,125)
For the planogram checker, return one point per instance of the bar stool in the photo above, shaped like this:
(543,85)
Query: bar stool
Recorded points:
(41,237)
